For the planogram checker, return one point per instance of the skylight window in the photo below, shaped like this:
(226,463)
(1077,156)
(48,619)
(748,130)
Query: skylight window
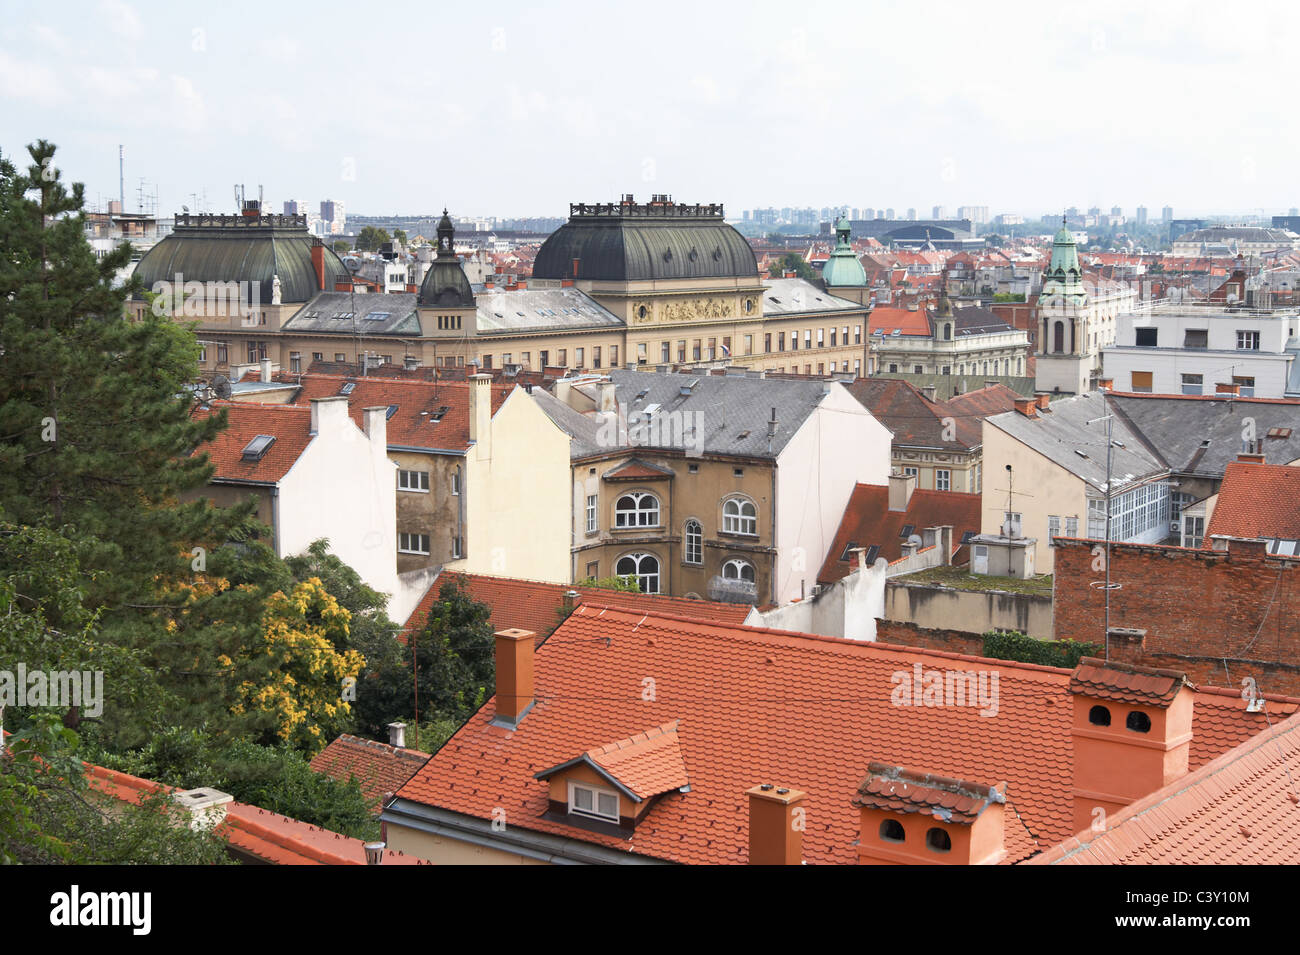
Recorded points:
(392,410)
(435,416)
(848,550)
(378,316)
(347,388)
(256,449)
(907,530)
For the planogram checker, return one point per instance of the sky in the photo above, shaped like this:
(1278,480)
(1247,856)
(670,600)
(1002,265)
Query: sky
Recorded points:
(519,109)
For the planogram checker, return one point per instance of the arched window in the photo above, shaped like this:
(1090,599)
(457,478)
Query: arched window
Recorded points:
(693,551)
(643,567)
(891,830)
(637,509)
(938,840)
(737,569)
(1138,722)
(1099,716)
(947,332)
(739,516)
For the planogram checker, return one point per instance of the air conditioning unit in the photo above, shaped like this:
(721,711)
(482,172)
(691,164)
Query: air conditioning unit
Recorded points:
(1175,527)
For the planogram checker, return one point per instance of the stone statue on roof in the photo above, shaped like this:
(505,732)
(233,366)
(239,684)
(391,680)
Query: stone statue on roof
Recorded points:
(275,289)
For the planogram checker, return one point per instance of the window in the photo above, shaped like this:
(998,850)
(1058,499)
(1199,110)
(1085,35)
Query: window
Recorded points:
(222,356)
(665,352)
(543,357)
(458,546)
(1145,337)
(712,346)
(1245,384)
(695,350)
(637,509)
(1138,722)
(681,349)
(591,513)
(412,543)
(203,354)
(1099,716)
(564,358)
(938,840)
(794,341)
(739,517)
(694,543)
(832,338)
(749,344)
(767,342)
(577,358)
(891,830)
(593,570)
(1053,529)
(1071,527)
(643,567)
(912,471)
(857,334)
(737,569)
(1192,384)
(455,481)
(918,370)
(1248,341)
(413,481)
(613,356)
(780,341)
(487,361)
(1196,338)
(595,357)
(1142,381)
(339,356)
(807,338)
(594,803)
(942,480)
(821,338)
(893,367)
(1193,531)
(295,361)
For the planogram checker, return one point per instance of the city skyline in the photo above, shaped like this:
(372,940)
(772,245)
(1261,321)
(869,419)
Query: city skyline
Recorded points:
(519,112)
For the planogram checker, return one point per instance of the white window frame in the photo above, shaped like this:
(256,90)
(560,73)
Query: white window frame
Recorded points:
(412,543)
(420,485)
(592,501)
(740,522)
(693,542)
(639,515)
(1247,339)
(735,568)
(942,479)
(594,812)
(641,576)
(455,481)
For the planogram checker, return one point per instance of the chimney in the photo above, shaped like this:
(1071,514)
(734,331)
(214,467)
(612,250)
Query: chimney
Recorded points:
(1132,728)
(771,430)
(318,262)
(608,397)
(480,415)
(1106,384)
(375,425)
(1043,401)
(514,660)
(328,414)
(570,599)
(914,818)
(566,283)
(1228,388)
(397,735)
(575,267)
(776,824)
(375,852)
(789,274)
(928,391)
(1251,457)
(265,364)
(901,487)
(1027,407)
(201,809)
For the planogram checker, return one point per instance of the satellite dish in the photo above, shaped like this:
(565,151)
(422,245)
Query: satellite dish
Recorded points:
(915,540)
(221,386)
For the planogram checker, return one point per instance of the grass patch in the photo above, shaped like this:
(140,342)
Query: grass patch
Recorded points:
(960,578)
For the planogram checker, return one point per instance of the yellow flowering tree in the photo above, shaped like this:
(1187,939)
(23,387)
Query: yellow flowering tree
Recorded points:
(303,671)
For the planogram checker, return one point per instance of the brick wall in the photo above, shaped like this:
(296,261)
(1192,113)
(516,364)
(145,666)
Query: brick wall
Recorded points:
(1218,616)
(910,635)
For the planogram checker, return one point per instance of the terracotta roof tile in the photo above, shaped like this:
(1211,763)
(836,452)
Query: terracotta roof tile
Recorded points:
(1127,683)
(645,765)
(811,711)
(1258,501)
(378,767)
(289,425)
(902,790)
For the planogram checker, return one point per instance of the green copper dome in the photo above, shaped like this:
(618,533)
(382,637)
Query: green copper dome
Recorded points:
(843,267)
(1063,280)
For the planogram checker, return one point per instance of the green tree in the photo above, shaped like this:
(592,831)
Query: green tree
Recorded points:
(793,263)
(370,238)
(399,235)
(454,654)
(341,246)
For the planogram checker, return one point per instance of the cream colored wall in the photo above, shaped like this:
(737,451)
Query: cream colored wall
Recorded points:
(518,497)
(444,850)
(1041,488)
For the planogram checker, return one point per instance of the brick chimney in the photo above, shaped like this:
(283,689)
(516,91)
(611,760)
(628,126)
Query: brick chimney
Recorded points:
(1027,407)
(1251,457)
(514,660)
(913,818)
(776,825)
(1132,727)
(1228,388)
(1042,402)
(1106,384)
(318,262)
(901,487)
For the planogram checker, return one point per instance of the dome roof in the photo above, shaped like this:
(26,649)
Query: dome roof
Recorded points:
(629,242)
(253,249)
(843,267)
(446,283)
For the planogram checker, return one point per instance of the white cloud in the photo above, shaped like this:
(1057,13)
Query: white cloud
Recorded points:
(123,19)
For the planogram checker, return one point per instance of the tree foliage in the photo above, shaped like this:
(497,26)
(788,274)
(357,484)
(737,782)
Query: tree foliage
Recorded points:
(370,238)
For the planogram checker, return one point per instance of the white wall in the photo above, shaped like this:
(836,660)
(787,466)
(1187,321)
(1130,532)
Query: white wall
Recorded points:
(840,445)
(1167,366)
(343,487)
(847,608)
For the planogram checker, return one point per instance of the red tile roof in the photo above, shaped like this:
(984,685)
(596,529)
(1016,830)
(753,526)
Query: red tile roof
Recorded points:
(755,705)
(534,605)
(1258,500)
(980,403)
(288,424)
(1127,683)
(1242,808)
(916,422)
(412,424)
(868,521)
(634,469)
(902,790)
(269,837)
(643,765)
(378,767)
(886,318)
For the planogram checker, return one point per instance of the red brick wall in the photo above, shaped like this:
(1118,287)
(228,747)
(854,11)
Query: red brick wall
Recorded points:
(910,635)
(1197,606)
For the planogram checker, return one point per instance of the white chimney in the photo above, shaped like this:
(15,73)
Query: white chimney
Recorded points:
(375,425)
(328,414)
(480,415)
(201,809)
(901,487)
(397,735)
(266,370)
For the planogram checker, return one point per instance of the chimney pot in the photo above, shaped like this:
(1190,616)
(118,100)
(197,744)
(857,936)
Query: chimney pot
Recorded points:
(265,367)
(397,735)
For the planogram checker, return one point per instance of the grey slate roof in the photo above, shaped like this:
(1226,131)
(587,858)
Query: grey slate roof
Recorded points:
(1063,432)
(583,430)
(1177,427)
(797,296)
(973,320)
(376,313)
(241,249)
(618,248)
(540,309)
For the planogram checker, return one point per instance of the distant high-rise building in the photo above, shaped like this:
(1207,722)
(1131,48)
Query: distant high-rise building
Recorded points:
(1167,214)
(978,215)
(1095,211)
(1294,211)
(1141,215)
(1116,211)
(868,213)
(889,213)
(332,216)
(939,212)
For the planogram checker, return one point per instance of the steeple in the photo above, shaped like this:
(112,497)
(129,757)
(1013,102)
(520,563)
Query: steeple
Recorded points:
(446,237)
(843,268)
(1063,280)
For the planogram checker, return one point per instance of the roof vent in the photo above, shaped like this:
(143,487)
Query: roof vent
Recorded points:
(256,449)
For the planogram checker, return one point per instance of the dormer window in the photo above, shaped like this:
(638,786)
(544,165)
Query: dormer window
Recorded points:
(592,802)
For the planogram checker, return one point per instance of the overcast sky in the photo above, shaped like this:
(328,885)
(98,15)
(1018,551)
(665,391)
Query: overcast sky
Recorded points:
(518,109)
